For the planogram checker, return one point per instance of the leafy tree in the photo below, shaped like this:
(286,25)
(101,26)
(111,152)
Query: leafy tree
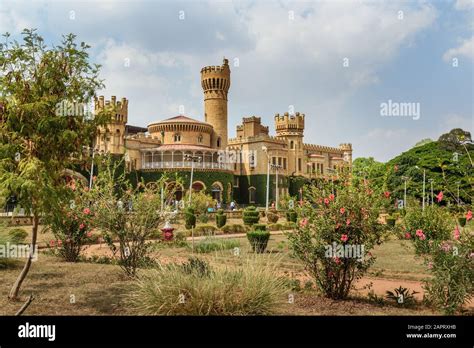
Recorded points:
(37,143)
(423,142)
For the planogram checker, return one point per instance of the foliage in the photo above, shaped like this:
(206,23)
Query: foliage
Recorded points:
(71,222)
(390,221)
(336,233)
(38,142)
(204,230)
(200,201)
(421,227)
(232,229)
(272,216)
(252,288)
(189,218)
(208,245)
(291,215)
(251,216)
(203,218)
(258,238)
(451,263)
(402,296)
(128,215)
(17,235)
(221,218)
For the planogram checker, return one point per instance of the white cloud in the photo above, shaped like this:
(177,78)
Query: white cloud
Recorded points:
(464,4)
(465,48)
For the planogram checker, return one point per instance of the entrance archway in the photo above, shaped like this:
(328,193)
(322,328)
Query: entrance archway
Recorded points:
(216,191)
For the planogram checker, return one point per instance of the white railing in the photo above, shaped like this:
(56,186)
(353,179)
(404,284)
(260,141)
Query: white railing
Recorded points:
(186,164)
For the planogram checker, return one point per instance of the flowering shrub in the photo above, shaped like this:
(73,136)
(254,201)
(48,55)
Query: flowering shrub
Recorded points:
(71,222)
(334,233)
(421,227)
(451,262)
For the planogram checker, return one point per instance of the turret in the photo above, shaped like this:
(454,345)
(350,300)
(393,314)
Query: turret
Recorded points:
(111,138)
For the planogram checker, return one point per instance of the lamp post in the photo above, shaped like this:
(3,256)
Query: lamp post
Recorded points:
(193,159)
(276,167)
(431,183)
(93,151)
(424,181)
(405,178)
(265,149)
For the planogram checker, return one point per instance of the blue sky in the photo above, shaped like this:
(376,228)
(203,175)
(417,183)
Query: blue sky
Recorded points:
(290,53)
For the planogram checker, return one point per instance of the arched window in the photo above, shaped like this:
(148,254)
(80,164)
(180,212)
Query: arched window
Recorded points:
(200,138)
(252,194)
(219,142)
(292,145)
(177,138)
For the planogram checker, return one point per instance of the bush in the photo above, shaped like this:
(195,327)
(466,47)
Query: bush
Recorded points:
(390,220)
(203,218)
(252,288)
(452,266)
(212,244)
(336,233)
(259,227)
(233,229)
(204,230)
(189,218)
(17,235)
(462,221)
(272,216)
(251,216)
(421,227)
(275,227)
(258,240)
(291,216)
(221,218)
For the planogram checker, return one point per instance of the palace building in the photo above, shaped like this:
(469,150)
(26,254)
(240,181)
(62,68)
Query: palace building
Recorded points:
(229,169)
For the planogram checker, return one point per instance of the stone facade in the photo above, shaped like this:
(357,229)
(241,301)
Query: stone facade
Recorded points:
(243,161)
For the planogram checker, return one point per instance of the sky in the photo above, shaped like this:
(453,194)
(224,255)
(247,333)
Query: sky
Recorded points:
(335,61)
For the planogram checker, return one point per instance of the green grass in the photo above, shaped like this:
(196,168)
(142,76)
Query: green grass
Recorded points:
(210,244)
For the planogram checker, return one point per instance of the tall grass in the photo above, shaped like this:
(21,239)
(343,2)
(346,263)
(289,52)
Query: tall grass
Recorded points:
(211,244)
(251,288)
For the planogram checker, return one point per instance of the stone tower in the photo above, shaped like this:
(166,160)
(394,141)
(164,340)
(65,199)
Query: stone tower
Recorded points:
(347,152)
(111,138)
(290,128)
(215,82)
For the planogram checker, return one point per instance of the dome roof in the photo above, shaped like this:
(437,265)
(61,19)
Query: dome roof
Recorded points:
(179,119)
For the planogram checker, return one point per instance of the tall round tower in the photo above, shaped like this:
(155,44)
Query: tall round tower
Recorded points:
(215,81)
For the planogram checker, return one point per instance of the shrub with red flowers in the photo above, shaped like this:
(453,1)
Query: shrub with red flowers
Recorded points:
(422,226)
(336,233)
(71,222)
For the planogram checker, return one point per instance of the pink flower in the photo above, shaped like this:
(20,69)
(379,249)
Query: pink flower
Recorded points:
(422,237)
(326,201)
(337,260)
(89,234)
(86,211)
(430,265)
(439,196)
(456,233)
(344,237)
(407,235)
(60,243)
(82,226)
(52,243)
(304,222)
(348,222)
(445,247)
(469,215)
(331,197)
(386,194)
(342,210)
(419,233)
(338,225)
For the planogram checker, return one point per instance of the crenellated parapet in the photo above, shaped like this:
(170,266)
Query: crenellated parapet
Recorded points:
(287,124)
(321,148)
(120,107)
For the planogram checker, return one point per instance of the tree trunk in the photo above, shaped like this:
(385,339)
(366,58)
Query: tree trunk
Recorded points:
(16,287)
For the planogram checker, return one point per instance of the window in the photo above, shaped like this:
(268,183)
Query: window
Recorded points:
(219,142)
(200,138)
(236,181)
(292,145)
(177,138)
(284,163)
(279,161)
(322,168)
(299,164)
(252,194)
(273,160)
